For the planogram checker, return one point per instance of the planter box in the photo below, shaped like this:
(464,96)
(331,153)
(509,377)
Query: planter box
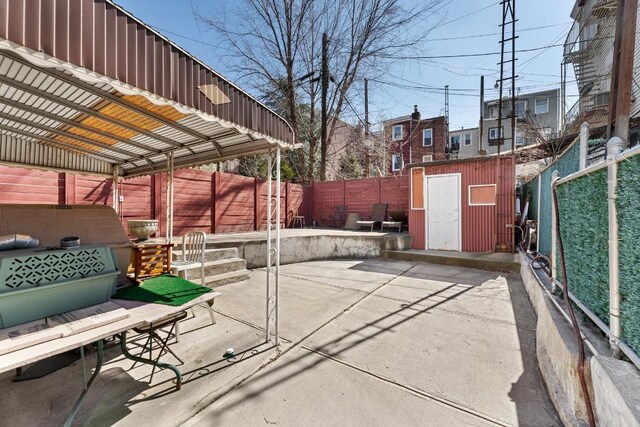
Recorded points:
(36,284)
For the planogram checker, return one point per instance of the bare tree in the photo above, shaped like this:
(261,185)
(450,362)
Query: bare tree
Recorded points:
(274,45)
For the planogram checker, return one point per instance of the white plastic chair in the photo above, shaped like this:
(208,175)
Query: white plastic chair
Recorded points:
(192,253)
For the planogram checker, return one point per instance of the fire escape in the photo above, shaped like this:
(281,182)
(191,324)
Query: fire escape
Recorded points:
(587,45)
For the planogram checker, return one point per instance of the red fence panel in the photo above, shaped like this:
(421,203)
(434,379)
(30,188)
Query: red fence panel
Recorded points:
(19,185)
(235,204)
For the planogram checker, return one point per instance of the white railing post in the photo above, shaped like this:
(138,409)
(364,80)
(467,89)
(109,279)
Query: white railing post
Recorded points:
(584,144)
(614,147)
(277,260)
(269,248)
(554,225)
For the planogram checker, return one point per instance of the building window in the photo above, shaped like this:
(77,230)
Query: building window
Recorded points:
(542,106)
(493,133)
(396,162)
(493,112)
(427,158)
(396,133)
(521,108)
(427,137)
(482,195)
(519,141)
(455,142)
(467,139)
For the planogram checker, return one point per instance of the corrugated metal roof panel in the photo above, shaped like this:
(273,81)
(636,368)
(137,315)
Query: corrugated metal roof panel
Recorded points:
(89,117)
(21,151)
(82,33)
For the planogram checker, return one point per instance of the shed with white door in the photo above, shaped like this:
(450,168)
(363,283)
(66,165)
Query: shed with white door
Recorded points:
(465,205)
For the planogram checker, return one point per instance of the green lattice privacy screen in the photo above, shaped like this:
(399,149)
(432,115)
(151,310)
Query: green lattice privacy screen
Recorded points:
(583,217)
(566,164)
(628,206)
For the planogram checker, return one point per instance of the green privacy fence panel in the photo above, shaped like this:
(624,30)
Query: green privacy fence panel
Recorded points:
(628,207)
(583,216)
(566,164)
(531,188)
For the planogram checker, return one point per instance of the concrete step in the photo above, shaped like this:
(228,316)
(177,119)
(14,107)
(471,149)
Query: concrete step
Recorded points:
(212,268)
(212,254)
(225,278)
(481,261)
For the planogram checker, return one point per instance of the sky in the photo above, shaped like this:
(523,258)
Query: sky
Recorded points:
(466,27)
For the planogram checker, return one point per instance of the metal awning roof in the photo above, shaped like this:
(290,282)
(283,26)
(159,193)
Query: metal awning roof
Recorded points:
(69,99)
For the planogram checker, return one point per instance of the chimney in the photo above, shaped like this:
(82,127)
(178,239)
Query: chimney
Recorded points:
(415,116)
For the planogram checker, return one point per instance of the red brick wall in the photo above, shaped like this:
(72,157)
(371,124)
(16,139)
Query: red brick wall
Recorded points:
(417,150)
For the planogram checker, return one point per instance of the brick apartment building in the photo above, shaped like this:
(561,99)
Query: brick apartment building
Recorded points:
(411,139)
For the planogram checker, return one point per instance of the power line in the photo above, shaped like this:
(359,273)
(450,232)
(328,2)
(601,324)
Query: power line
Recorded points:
(493,34)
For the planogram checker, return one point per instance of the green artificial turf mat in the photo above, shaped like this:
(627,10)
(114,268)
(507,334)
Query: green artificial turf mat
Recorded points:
(165,289)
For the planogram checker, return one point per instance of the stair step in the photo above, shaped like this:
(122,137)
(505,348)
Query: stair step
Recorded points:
(212,268)
(225,278)
(212,254)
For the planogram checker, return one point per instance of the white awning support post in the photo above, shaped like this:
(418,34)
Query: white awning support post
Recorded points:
(270,250)
(614,147)
(169,230)
(115,194)
(273,250)
(584,144)
(554,236)
(277,260)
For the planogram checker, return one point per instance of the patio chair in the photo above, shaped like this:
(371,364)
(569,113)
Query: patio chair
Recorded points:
(192,255)
(378,215)
(338,216)
(395,219)
(296,219)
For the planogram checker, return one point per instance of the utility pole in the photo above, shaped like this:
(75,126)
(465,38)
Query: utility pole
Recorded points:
(622,70)
(504,238)
(481,125)
(323,125)
(447,143)
(367,157)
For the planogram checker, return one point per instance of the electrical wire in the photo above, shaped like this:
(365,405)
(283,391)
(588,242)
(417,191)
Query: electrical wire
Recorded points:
(475,36)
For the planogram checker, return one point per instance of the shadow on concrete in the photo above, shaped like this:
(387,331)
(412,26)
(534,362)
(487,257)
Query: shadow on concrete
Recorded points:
(407,311)
(528,400)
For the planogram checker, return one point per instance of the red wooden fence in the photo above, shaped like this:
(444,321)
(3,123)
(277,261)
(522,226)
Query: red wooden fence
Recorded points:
(204,201)
(358,195)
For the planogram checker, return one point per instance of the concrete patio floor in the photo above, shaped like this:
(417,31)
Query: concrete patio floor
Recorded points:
(365,342)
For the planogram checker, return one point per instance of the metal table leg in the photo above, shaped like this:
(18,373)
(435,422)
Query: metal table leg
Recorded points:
(76,407)
(125,352)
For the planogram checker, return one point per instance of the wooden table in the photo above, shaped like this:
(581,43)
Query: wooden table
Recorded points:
(140,314)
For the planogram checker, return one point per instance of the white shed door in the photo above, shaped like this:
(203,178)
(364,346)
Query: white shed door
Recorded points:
(443,212)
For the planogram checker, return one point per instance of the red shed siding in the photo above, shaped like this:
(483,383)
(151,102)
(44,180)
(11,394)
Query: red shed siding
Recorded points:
(482,226)
(417,229)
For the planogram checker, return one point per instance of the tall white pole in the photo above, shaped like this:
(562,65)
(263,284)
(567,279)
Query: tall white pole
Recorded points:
(614,147)
(269,247)
(584,143)
(554,221)
(278,222)
(115,195)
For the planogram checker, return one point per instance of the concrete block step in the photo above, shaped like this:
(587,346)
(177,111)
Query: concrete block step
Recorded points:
(212,268)
(212,254)
(481,261)
(226,278)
